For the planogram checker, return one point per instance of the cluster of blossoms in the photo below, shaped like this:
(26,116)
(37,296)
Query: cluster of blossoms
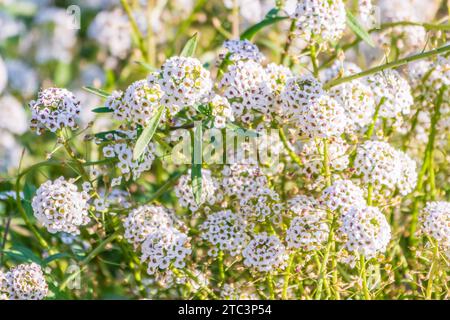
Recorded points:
(265,253)
(154,230)
(323,20)
(308,229)
(435,221)
(342,195)
(60,207)
(393,94)
(385,168)
(366,231)
(242,50)
(24,282)
(225,230)
(54,109)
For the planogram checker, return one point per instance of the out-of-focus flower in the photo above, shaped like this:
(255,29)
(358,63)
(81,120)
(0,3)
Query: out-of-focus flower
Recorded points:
(22,78)
(14,118)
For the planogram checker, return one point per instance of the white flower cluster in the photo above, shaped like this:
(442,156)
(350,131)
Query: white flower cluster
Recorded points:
(365,230)
(343,195)
(435,220)
(393,91)
(184,82)
(153,229)
(226,231)
(54,109)
(24,282)
(221,110)
(22,78)
(312,155)
(164,247)
(358,101)
(145,220)
(112,31)
(265,253)
(320,20)
(211,193)
(10,151)
(243,50)
(385,168)
(367,13)
(16,120)
(308,229)
(3,75)
(140,102)
(122,149)
(60,207)
(242,181)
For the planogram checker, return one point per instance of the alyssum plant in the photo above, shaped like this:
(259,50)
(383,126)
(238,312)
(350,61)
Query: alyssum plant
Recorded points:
(353,206)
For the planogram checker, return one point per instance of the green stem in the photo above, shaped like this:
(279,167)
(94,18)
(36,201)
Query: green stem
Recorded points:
(326,163)
(389,65)
(362,264)
(221,268)
(323,265)
(369,194)
(287,276)
(371,128)
(269,280)
(135,28)
(314,62)
(433,269)
(285,54)
(290,152)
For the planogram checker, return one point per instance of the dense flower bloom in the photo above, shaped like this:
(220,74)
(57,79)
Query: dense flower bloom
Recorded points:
(320,20)
(145,220)
(184,81)
(221,110)
(385,168)
(435,220)
(16,119)
(308,229)
(343,195)
(243,50)
(226,230)
(393,92)
(60,207)
(24,282)
(112,30)
(264,253)
(366,231)
(164,247)
(54,109)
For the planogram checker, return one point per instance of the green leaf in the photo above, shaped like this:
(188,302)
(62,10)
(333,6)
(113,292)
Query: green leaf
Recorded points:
(146,66)
(196,170)
(98,92)
(55,256)
(250,32)
(190,46)
(63,74)
(102,110)
(241,131)
(358,29)
(147,135)
(23,254)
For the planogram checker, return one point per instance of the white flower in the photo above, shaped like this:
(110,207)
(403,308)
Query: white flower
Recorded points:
(14,118)
(343,195)
(54,109)
(145,220)
(22,78)
(10,152)
(221,110)
(3,75)
(60,207)
(366,230)
(320,20)
(435,222)
(112,31)
(308,229)
(164,247)
(226,230)
(184,81)
(243,50)
(393,91)
(265,253)
(24,282)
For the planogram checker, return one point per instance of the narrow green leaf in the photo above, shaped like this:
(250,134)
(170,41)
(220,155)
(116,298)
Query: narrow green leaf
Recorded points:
(55,256)
(98,92)
(146,65)
(102,110)
(22,254)
(147,135)
(250,32)
(190,46)
(196,170)
(358,29)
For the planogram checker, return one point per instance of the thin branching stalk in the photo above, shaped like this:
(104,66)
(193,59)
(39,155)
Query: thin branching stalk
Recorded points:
(290,152)
(433,270)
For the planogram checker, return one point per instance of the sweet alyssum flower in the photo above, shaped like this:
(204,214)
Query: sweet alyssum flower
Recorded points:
(54,109)
(366,231)
(435,221)
(16,121)
(243,50)
(24,282)
(264,253)
(342,195)
(60,207)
